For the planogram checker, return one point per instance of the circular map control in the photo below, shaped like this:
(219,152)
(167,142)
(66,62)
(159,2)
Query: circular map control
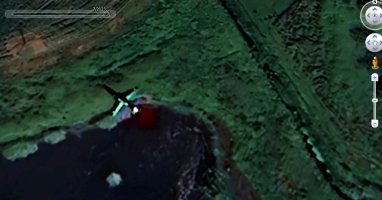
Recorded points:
(373,42)
(373,15)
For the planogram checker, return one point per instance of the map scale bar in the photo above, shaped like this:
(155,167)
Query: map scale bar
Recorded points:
(62,14)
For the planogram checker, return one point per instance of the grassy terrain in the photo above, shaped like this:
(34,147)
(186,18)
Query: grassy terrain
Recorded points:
(298,79)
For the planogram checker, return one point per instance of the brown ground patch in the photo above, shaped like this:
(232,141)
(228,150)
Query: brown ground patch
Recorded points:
(30,43)
(32,53)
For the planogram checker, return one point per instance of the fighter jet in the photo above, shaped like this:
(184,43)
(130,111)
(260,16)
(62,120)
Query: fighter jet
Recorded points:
(122,99)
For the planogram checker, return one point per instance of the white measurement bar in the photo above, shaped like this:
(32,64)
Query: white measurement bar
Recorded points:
(54,14)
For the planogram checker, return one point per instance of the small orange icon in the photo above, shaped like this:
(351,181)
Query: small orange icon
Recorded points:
(375,63)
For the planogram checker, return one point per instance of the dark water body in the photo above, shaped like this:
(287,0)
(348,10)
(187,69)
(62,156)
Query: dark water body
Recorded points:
(151,163)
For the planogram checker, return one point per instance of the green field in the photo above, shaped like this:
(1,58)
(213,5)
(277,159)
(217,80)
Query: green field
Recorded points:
(290,80)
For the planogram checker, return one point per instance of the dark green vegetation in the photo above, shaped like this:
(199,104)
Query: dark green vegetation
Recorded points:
(289,78)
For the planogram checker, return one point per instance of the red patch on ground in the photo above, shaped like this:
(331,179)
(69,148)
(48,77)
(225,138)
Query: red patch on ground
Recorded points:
(146,119)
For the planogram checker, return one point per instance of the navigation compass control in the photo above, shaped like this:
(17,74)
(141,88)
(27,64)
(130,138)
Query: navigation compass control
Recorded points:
(373,42)
(371,15)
